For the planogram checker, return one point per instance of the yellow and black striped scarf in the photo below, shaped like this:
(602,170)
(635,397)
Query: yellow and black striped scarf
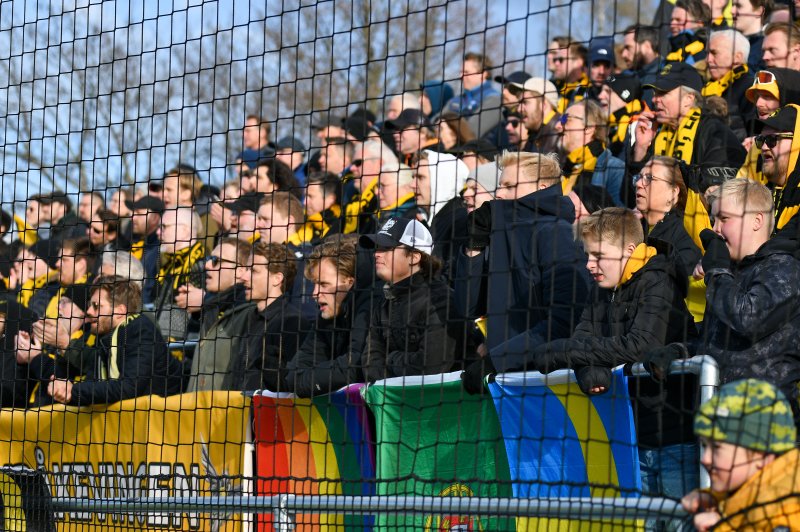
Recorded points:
(31,286)
(584,159)
(316,226)
(176,266)
(620,119)
(52,306)
(572,92)
(358,207)
(718,88)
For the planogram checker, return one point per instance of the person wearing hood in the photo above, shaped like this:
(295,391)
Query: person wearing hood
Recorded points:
(481,186)
(583,138)
(528,294)
(771,89)
(346,292)
(637,304)
(678,127)
(438,183)
(412,333)
(435,94)
(753,295)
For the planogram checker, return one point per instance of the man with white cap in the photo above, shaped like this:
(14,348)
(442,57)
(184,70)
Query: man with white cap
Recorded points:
(538,107)
(411,333)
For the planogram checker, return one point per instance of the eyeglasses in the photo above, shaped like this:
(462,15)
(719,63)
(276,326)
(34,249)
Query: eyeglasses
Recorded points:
(646,179)
(558,59)
(764,77)
(771,140)
(215,260)
(512,123)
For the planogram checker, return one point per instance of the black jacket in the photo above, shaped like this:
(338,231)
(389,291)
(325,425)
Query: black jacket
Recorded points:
(273,337)
(411,333)
(619,327)
(449,232)
(531,281)
(330,357)
(672,231)
(741,112)
(752,319)
(145,366)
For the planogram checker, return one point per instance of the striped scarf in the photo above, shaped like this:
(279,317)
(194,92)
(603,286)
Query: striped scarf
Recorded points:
(176,266)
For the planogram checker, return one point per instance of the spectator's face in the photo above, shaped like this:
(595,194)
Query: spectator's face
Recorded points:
(139,222)
(766,104)
(87,206)
(117,204)
(388,190)
(330,288)
(330,132)
(513,186)
(475,195)
(425,104)
(736,224)
(422,184)
(260,181)
(168,232)
(447,136)
(610,100)
(395,264)
(35,214)
(259,283)
(273,225)
(100,313)
(599,72)
(471,75)
(29,266)
(333,159)
(251,134)
(516,130)
(69,310)
(246,224)
(511,96)
(557,62)
(315,199)
(99,233)
(174,195)
(606,261)
(408,140)
(681,21)
(655,195)
(70,269)
(471,160)
(729,466)
(745,16)
(667,106)
(532,110)
(573,129)
(775,160)
(720,57)
(777,53)
(220,268)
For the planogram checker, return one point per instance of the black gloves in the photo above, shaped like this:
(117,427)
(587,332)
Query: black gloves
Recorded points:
(589,377)
(472,377)
(657,361)
(717,254)
(479,223)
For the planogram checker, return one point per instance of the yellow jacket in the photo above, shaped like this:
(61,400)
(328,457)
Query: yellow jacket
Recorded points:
(768,500)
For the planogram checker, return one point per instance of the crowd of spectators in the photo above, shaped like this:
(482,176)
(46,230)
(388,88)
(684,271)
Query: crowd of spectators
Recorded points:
(640,205)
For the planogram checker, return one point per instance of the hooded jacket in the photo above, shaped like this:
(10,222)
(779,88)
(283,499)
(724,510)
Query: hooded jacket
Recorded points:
(752,317)
(330,357)
(645,310)
(531,281)
(439,93)
(787,197)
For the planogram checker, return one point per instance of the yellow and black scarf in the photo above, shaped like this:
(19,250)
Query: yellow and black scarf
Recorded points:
(316,226)
(52,306)
(580,161)
(176,266)
(571,92)
(359,206)
(718,88)
(31,286)
(695,47)
(620,119)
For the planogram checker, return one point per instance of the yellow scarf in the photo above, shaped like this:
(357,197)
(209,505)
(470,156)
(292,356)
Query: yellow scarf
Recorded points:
(751,169)
(28,236)
(178,265)
(584,159)
(787,201)
(571,92)
(691,49)
(358,206)
(400,201)
(316,226)
(52,306)
(137,249)
(640,256)
(31,286)
(619,120)
(718,88)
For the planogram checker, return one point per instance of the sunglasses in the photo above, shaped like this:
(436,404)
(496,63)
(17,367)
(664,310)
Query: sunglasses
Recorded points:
(558,59)
(771,140)
(512,123)
(215,260)
(764,77)
(565,118)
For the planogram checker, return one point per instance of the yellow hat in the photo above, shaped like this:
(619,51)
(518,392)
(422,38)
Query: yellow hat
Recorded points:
(764,81)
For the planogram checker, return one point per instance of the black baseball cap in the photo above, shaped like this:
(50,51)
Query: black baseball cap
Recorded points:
(246,202)
(626,85)
(408,118)
(292,143)
(783,120)
(518,77)
(146,203)
(675,75)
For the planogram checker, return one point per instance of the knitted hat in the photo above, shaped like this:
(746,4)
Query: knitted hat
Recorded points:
(750,413)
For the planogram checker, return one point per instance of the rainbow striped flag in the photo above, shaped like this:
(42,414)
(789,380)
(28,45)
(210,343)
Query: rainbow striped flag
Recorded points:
(319,446)
(432,438)
(563,443)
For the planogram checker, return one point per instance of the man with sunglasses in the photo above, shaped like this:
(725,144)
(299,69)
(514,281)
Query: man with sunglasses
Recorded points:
(222,325)
(516,131)
(538,107)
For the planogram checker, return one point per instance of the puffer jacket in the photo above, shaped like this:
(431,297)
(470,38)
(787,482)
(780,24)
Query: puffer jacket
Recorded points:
(753,318)
(411,333)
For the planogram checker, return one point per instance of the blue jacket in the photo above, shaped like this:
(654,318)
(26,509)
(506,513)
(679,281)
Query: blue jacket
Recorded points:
(532,277)
(609,174)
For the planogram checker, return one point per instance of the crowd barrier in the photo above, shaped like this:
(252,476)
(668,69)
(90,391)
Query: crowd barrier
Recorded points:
(414,453)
